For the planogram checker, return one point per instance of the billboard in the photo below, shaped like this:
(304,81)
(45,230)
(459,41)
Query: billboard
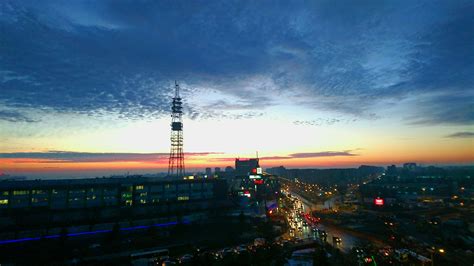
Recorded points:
(379,201)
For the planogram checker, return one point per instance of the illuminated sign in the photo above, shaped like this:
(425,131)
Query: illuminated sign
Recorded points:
(258,181)
(247,193)
(379,202)
(259,171)
(254,171)
(254,177)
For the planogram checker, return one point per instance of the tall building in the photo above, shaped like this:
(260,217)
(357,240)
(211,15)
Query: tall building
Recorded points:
(176,159)
(46,206)
(209,171)
(217,170)
(245,167)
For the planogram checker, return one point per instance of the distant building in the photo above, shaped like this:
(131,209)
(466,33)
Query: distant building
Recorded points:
(391,170)
(217,171)
(209,171)
(245,167)
(229,169)
(278,171)
(409,166)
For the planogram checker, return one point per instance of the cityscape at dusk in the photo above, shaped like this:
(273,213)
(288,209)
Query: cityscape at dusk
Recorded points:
(236,132)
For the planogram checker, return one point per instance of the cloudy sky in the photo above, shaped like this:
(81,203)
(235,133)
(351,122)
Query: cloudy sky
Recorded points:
(85,85)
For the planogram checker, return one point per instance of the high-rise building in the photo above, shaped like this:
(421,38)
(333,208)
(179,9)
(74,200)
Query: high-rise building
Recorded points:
(209,171)
(217,170)
(244,167)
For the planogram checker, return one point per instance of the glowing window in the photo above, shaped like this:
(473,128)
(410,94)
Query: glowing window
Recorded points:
(20,192)
(183,198)
(3,202)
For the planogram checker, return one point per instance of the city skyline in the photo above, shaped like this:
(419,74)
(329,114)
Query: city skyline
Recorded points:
(86,87)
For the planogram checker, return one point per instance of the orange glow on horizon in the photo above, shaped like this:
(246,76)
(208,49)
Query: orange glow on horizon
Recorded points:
(200,162)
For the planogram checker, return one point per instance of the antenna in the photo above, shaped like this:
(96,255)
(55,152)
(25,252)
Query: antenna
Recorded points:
(176,159)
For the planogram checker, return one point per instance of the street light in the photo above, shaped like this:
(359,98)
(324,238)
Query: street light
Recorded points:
(433,250)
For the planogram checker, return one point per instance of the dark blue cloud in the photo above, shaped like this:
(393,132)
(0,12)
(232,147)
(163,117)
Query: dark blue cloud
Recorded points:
(83,157)
(13,116)
(461,135)
(101,57)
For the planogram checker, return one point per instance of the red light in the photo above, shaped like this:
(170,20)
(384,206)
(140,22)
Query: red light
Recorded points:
(258,181)
(254,171)
(379,202)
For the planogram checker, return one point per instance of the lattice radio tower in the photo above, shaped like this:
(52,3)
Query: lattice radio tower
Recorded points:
(176,161)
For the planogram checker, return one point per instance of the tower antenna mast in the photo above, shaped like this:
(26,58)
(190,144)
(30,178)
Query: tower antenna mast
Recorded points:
(176,159)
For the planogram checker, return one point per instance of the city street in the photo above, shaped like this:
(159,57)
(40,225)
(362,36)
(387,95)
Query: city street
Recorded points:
(304,226)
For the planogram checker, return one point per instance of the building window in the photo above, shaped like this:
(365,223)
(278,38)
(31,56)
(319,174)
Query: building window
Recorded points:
(4,193)
(3,202)
(91,197)
(183,198)
(20,192)
(139,187)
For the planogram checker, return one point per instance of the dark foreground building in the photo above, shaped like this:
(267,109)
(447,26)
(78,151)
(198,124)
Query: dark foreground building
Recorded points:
(43,207)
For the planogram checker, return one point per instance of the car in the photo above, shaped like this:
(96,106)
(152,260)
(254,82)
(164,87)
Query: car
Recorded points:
(168,262)
(243,247)
(216,255)
(186,258)
(259,241)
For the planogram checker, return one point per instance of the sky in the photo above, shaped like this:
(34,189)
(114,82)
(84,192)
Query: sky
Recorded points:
(85,86)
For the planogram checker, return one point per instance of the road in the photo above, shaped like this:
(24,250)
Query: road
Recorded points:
(299,230)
